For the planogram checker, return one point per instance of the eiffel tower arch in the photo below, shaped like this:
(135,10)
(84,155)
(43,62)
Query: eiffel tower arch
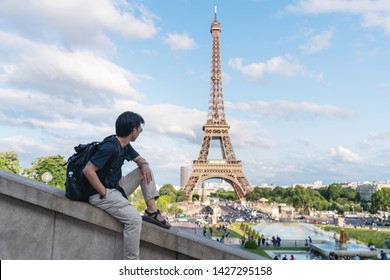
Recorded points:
(216,129)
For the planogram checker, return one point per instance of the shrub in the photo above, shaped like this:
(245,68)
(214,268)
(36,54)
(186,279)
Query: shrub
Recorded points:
(250,244)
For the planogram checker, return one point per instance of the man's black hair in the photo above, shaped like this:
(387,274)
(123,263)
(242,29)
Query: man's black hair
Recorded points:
(126,122)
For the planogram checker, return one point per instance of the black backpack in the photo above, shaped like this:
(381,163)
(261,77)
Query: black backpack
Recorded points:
(76,185)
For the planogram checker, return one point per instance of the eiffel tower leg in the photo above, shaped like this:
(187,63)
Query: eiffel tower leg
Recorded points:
(190,185)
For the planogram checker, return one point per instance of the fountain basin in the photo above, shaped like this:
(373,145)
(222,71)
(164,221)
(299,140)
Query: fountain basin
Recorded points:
(350,250)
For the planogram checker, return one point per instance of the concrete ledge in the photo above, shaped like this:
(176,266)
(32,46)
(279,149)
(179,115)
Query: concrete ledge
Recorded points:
(39,222)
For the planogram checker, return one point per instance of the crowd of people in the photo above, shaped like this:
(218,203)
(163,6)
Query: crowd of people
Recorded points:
(222,228)
(284,257)
(263,241)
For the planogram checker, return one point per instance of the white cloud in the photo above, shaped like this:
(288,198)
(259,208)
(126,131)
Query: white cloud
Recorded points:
(69,74)
(343,154)
(254,136)
(291,110)
(163,119)
(179,42)
(280,65)
(318,42)
(373,12)
(23,145)
(68,23)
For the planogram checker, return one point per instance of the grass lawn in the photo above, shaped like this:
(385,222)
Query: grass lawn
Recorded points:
(234,230)
(365,236)
(261,250)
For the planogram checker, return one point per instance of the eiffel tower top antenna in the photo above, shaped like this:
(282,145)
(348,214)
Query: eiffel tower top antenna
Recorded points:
(216,114)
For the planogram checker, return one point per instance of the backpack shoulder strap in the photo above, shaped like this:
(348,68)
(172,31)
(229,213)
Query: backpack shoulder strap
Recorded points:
(113,139)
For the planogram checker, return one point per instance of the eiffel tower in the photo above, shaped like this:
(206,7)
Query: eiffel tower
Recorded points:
(216,128)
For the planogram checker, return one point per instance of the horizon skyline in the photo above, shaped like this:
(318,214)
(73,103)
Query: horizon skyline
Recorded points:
(305,85)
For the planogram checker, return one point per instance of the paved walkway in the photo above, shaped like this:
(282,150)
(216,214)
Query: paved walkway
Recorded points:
(191,228)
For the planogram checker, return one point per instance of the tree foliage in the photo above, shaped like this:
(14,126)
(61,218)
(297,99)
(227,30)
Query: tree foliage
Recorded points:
(163,203)
(9,161)
(168,190)
(228,195)
(175,195)
(53,164)
(332,197)
(138,201)
(181,196)
(380,200)
(335,192)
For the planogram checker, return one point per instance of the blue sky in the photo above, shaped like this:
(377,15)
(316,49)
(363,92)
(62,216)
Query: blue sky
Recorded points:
(305,82)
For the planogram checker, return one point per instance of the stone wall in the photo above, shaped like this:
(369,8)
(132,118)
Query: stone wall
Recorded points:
(37,221)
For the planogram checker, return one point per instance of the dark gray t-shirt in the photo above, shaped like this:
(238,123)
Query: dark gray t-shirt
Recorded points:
(109,158)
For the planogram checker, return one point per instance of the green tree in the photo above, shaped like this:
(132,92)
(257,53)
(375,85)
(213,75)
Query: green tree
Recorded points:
(174,209)
(380,200)
(319,202)
(168,190)
(301,199)
(53,164)
(252,196)
(137,200)
(258,193)
(163,203)
(9,161)
(247,229)
(332,192)
(181,196)
(228,195)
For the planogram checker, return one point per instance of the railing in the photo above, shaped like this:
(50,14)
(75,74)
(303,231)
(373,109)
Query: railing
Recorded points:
(293,243)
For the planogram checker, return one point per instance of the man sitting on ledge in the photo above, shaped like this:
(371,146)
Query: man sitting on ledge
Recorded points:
(111,190)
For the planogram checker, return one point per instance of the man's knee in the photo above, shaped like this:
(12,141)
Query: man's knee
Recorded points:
(138,220)
(135,220)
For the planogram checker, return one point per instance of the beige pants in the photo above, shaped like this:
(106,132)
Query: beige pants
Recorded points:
(121,209)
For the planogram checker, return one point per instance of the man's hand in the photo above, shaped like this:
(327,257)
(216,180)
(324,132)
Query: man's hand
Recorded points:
(146,173)
(91,175)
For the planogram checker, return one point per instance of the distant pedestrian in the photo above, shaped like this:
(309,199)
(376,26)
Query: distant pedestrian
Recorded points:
(262,240)
(292,257)
(276,258)
(211,231)
(310,241)
(273,240)
(278,240)
(242,240)
(383,255)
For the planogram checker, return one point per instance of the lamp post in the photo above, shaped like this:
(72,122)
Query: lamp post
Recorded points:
(46,177)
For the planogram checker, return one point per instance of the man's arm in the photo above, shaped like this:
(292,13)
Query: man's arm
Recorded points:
(91,175)
(145,170)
